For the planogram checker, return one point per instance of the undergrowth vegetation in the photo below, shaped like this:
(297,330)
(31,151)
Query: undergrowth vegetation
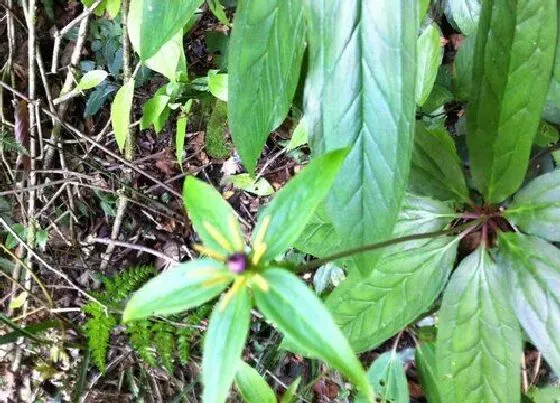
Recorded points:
(280,201)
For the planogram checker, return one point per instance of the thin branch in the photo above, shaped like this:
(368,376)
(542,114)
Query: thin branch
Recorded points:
(379,245)
(128,245)
(44,263)
(58,35)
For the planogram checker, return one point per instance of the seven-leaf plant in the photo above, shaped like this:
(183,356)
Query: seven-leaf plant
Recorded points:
(510,278)
(248,276)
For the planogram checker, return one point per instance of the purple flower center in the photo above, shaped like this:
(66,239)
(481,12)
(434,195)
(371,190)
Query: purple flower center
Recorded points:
(237,263)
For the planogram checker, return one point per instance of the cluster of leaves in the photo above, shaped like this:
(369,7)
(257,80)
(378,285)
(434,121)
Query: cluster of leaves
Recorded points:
(367,76)
(255,279)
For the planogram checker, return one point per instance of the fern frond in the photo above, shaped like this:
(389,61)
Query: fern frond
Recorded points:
(140,336)
(120,286)
(9,144)
(184,340)
(98,330)
(165,344)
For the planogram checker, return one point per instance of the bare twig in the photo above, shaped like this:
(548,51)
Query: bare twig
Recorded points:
(129,245)
(44,263)
(130,146)
(66,87)
(58,35)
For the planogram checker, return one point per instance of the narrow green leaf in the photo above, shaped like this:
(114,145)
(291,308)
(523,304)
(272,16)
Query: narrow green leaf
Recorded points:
(212,217)
(219,11)
(388,379)
(218,84)
(113,7)
(252,386)
(552,109)
(400,287)
(533,268)
(30,331)
(423,6)
(181,287)
(360,93)
(463,68)
(536,207)
(464,14)
(247,183)
(91,79)
(120,112)
(429,57)
(180,132)
(479,341)
(151,23)
(299,137)
(290,394)
(227,331)
(436,169)
(284,219)
(292,307)
(265,55)
(170,60)
(512,66)
(152,110)
(427,371)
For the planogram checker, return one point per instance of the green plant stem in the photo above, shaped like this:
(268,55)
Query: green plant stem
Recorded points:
(462,229)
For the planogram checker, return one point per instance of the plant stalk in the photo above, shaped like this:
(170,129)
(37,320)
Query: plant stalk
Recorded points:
(383,244)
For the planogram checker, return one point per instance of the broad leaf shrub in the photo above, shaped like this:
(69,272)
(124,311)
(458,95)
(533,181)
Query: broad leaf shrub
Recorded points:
(373,84)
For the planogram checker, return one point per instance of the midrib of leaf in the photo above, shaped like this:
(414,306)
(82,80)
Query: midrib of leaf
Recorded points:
(364,133)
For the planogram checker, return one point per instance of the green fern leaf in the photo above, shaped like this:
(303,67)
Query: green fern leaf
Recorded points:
(140,336)
(98,330)
(165,344)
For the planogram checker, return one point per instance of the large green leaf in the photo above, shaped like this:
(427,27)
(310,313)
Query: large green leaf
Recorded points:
(170,58)
(426,365)
(223,344)
(120,112)
(319,238)
(536,207)
(388,379)
(418,214)
(151,23)
(430,53)
(436,169)
(265,54)
(299,314)
(183,286)
(479,341)
(511,71)
(463,68)
(533,268)
(360,92)
(212,217)
(400,288)
(552,110)
(252,386)
(464,14)
(284,219)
